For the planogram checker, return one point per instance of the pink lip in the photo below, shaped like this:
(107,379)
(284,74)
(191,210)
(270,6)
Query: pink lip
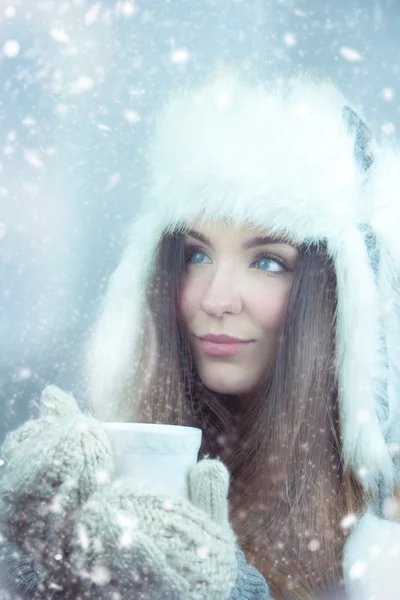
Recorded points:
(221,345)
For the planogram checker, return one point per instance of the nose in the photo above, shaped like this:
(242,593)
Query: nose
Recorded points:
(222,294)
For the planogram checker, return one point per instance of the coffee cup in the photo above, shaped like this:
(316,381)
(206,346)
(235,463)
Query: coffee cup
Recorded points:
(155,455)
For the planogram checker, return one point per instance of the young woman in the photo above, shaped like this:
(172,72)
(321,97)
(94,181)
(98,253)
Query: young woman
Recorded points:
(256,299)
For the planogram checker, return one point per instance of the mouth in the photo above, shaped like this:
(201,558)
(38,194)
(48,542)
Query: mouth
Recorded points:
(221,345)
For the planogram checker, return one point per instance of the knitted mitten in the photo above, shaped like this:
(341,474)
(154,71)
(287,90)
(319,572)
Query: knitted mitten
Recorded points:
(50,466)
(88,537)
(130,543)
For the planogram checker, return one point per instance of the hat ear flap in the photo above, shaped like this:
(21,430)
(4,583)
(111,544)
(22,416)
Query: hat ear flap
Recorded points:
(385,221)
(361,364)
(361,336)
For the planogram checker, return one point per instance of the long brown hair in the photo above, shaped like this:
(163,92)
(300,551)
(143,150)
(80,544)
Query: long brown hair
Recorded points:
(289,491)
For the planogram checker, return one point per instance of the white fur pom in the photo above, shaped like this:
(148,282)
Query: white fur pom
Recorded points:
(371,560)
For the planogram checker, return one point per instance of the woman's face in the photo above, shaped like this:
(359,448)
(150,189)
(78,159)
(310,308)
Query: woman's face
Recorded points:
(236,284)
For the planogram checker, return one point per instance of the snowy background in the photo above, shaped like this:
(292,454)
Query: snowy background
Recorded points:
(80,82)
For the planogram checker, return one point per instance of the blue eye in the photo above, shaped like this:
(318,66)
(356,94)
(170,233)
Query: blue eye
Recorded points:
(267,263)
(196,256)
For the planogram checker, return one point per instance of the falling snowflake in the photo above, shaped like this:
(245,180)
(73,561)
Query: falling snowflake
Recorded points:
(61,110)
(28,122)
(103,127)
(168,505)
(129,526)
(363,472)
(314,545)
(83,537)
(179,56)
(8,150)
(299,12)
(132,116)
(126,9)
(394,447)
(388,94)
(100,575)
(56,504)
(203,552)
(11,48)
(33,159)
(10,12)
(59,36)
(113,180)
(392,508)
(24,373)
(290,39)
(101,477)
(82,84)
(348,521)
(350,54)
(92,14)
(358,570)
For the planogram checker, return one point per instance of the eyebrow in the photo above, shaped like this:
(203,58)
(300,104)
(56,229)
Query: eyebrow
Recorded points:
(253,243)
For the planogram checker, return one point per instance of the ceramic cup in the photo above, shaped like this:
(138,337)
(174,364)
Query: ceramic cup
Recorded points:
(159,456)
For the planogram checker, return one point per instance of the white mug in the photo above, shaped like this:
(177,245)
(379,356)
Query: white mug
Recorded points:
(158,456)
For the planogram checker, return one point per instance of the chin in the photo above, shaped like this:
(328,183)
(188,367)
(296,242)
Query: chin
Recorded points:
(233,383)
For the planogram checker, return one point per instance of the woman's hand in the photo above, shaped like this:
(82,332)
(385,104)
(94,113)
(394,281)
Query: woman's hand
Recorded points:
(141,545)
(88,535)
(50,467)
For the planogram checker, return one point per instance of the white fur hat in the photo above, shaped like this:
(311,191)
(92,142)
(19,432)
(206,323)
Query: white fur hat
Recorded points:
(288,158)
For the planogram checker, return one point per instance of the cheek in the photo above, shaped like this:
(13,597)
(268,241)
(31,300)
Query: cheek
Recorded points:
(269,306)
(189,299)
